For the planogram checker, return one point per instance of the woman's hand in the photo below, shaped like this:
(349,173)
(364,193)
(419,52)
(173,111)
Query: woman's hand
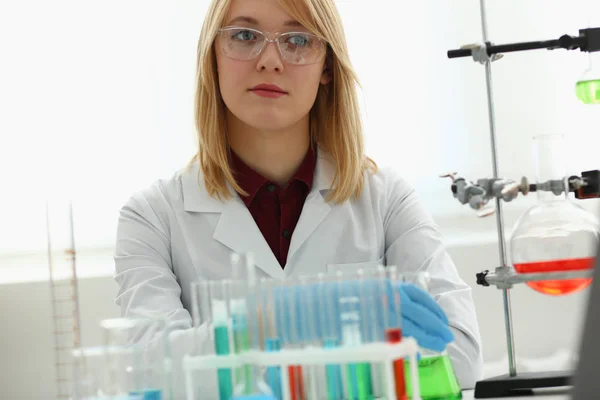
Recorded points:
(422,318)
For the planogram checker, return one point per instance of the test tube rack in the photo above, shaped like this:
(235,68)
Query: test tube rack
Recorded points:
(504,277)
(376,353)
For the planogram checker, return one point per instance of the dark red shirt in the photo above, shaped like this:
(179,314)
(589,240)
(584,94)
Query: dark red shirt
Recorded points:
(275,210)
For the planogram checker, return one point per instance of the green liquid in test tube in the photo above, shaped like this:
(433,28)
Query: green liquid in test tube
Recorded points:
(242,344)
(358,375)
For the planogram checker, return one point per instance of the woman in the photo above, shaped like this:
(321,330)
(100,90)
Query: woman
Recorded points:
(280,172)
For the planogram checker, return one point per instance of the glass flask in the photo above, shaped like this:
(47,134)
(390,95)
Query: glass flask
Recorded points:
(88,373)
(436,374)
(587,87)
(555,234)
(136,360)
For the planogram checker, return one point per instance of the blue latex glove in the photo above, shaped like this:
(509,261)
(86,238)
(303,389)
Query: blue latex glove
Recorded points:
(305,313)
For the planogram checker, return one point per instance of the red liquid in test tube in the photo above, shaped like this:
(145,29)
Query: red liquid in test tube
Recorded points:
(395,336)
(296,382)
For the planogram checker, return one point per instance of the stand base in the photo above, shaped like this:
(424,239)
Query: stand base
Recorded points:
(520,385)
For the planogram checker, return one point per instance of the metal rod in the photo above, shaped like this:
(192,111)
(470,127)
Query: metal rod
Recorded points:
(514,278)
(499,217)
(565,42)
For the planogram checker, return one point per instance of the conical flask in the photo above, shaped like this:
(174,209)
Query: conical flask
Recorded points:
(588,86)
(437,379)
(555,234)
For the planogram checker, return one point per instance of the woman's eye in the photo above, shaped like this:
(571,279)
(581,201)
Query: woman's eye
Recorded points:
(299,40)
(244,35)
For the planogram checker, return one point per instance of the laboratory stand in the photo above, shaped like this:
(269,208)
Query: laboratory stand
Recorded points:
(554,242)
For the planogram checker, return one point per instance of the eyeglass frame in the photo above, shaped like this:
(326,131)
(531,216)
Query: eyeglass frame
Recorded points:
(275,40)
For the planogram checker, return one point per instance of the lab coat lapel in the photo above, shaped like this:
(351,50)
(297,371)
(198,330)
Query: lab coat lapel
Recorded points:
(315,207)
(236,228)
(238,231)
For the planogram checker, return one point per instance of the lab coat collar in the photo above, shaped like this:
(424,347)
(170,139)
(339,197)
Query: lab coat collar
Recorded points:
(237,229)
(197,199)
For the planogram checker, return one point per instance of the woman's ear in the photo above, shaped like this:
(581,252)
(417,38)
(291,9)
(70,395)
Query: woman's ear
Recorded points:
(327,74)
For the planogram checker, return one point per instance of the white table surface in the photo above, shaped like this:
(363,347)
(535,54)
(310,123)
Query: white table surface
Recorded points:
(560,395)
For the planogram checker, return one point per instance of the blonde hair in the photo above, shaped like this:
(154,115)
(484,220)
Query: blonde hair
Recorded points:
(335,122)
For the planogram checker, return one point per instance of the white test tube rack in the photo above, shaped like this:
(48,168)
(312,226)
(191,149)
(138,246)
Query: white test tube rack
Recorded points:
(376,353)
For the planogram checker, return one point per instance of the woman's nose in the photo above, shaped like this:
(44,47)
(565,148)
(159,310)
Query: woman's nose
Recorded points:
(270,58)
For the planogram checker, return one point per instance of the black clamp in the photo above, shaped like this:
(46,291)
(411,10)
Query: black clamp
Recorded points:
(587,41)
(481,278)
(590,189)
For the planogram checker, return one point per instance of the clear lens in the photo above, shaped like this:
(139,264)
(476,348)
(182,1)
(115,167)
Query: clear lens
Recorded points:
(301,48)
(240,43)
(246,44)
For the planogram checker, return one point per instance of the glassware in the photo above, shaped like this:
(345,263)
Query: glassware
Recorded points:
(436,373)
(555,234)
(135,360)
(358,375)
(231,311)
(588,86)
(88,373)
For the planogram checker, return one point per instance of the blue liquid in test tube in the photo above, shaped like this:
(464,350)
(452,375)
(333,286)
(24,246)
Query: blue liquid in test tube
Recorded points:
(145,395)
(274,373)
(223,374)
(334,375)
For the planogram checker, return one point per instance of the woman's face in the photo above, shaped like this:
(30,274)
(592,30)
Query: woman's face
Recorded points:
(266,110)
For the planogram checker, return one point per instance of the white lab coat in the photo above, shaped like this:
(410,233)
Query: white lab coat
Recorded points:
(174,233)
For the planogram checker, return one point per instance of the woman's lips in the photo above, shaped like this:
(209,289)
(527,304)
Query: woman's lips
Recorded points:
(272,94)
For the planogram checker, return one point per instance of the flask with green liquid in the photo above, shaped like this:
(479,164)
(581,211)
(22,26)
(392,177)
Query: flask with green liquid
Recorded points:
(588,86)
(436,373)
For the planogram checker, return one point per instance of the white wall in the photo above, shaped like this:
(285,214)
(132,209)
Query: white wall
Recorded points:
(99,102)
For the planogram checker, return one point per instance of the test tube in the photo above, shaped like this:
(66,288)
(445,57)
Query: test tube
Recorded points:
(236,266)
(327,297)
(358,374)
(246,322)
(295,372)
(373,312)
(250,269)
(241,339)
(136,355)
(364,384)
(393,324)
(215,305)
(310,336)
(270,333)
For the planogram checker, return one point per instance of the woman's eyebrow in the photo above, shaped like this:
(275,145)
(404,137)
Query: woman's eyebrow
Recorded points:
(254,21)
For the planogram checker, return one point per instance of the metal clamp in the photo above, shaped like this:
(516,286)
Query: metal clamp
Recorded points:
(479,52)
(507,277)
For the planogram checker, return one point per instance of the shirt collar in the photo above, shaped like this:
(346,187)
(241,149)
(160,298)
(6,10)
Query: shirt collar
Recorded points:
(251,181)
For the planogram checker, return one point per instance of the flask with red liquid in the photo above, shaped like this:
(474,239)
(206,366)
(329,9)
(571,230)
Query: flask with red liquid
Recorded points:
(555,234)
